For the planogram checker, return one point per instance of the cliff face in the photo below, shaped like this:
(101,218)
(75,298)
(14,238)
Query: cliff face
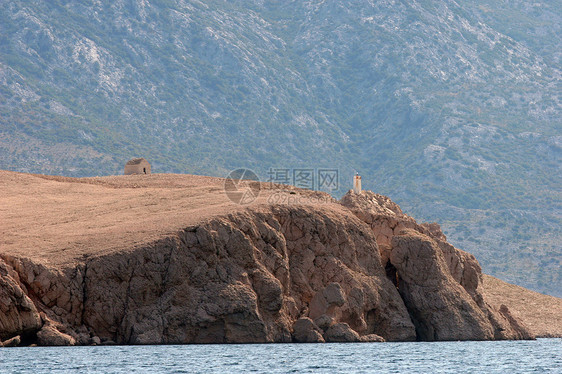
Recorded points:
(440,284)
(246,277)
(18,313)
(270,273)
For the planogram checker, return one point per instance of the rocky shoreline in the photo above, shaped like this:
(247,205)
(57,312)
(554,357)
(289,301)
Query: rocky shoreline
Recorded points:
(358,270)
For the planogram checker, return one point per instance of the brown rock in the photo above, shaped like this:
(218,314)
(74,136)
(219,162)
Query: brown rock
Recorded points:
(342,251)
(324,322)
(520,331)
(60,291)
(305,331)
(372,338)
(327,301)
(434,230)
(387,221)
(12,342)
(268,289)
(384,217)
(50,336)
(83,339)
(341,333)
(244,278)
(541,314)
(440,308)
(18,314)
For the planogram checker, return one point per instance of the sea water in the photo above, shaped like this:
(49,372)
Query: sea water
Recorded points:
(540,356)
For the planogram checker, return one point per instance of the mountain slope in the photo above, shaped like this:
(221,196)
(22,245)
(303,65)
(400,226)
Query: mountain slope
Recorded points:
(451,109)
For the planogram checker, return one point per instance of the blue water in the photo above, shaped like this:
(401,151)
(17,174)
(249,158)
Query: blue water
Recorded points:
(541,356)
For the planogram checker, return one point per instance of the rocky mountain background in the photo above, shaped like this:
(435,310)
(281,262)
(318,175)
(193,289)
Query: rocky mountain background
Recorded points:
(452,109)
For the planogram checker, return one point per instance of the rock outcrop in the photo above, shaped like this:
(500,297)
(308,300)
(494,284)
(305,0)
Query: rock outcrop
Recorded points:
(440,284)
(440,308)
(12,342)
(18,314)
(306,331)
(258,276)
(270,273)
(341,333)
(50,336)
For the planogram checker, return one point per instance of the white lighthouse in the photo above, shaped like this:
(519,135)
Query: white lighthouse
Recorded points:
(357,183)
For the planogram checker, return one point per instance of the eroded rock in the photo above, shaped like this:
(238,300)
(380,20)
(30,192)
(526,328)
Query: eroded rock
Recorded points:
(326,301)
(12,342)
(341,333)
(269,274)
(324,322)
(306,331)
(440,308)
(18,314)
(372,338)
(50,336)
(387,221)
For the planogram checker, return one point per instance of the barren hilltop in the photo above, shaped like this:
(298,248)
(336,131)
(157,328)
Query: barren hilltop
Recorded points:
(163,259)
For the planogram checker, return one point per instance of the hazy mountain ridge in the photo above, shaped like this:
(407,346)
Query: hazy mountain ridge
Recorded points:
(206,87)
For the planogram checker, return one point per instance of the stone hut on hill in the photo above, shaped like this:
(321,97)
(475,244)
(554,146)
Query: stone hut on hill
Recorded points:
(137,166)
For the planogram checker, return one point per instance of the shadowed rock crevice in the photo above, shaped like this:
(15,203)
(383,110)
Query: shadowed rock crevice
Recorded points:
(392,274)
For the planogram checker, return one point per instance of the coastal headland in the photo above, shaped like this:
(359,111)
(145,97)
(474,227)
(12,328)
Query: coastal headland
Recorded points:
(170,259)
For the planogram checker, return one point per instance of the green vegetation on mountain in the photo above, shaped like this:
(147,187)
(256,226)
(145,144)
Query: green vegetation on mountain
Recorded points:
(452,109)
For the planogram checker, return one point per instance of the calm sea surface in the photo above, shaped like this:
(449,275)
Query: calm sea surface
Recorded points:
(541,356)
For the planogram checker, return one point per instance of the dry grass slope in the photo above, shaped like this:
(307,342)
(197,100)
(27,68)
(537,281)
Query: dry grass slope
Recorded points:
(60,220)
(541,313)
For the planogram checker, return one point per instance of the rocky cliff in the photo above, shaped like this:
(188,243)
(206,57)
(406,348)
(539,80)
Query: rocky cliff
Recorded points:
(357,270)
